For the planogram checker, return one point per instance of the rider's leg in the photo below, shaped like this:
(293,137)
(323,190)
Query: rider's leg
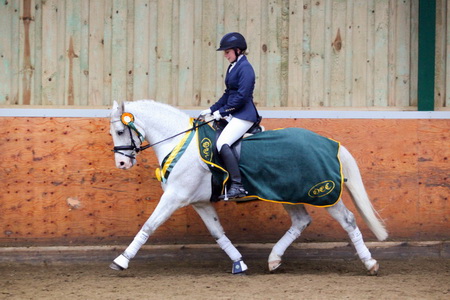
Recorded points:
(234,130)
(230,161)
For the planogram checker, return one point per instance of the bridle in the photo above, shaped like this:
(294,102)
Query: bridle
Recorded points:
(136,149)
(133,147)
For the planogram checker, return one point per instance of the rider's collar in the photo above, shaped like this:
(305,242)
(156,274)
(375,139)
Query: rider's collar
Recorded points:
(234,62)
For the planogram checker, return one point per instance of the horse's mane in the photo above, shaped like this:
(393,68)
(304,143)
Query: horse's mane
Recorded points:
(145,104)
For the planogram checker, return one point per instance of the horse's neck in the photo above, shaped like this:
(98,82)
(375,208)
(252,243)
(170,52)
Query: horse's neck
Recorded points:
(159,123)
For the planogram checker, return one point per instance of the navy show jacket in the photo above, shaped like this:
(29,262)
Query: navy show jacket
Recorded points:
(237,99)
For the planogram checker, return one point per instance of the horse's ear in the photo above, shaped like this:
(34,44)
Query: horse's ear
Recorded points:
(116,109)
(115,105)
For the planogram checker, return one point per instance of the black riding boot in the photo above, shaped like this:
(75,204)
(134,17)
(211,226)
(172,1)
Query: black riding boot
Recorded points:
(236,189)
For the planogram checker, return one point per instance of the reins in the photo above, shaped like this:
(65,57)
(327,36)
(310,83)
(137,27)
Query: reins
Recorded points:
(133,147)
(190,129)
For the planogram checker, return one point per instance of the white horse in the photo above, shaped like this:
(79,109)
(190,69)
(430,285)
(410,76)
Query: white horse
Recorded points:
(156,122)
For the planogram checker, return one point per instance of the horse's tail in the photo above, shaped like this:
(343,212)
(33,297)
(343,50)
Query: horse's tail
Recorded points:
(359,195)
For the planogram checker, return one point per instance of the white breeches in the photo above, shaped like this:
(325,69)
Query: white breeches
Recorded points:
(234,130)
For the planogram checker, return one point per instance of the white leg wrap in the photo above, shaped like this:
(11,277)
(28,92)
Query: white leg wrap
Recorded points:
(280,247)
(358,242)
(139,240)
(226,245)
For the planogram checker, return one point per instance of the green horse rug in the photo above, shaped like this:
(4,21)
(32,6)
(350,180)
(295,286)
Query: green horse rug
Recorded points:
(290,165)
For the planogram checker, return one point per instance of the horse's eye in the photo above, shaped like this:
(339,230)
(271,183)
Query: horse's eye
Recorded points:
(120,132)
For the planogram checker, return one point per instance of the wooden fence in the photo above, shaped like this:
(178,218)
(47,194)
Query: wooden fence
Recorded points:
(331,53)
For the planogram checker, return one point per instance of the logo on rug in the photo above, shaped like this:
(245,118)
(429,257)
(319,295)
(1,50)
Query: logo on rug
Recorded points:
(206,150)
(322,189)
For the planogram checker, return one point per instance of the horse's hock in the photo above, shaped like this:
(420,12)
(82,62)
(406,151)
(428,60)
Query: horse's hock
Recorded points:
(61,186)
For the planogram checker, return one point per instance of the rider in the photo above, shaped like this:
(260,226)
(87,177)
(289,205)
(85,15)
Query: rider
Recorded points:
(236,104)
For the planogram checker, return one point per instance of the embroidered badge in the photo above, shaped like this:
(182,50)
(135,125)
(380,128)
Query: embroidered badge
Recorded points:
(206,150)
(322,189)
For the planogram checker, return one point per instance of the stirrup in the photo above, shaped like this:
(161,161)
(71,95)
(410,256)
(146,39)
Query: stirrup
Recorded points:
(236,193)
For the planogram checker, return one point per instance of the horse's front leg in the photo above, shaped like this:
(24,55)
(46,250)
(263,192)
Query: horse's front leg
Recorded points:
(167,205)
(300,220)
(209,216)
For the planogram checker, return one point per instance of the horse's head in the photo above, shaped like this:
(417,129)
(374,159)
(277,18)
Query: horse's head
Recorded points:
(126,137)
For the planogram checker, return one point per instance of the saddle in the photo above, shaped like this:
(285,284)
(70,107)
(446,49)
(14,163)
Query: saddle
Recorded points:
(236,147)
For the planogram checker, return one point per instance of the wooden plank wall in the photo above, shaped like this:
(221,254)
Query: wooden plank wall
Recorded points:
(60,185)
(319,54)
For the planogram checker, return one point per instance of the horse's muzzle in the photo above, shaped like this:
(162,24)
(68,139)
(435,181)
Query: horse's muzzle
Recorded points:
(125,163)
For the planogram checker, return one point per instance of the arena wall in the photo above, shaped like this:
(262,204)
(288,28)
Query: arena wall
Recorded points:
(309,54)
(60,185)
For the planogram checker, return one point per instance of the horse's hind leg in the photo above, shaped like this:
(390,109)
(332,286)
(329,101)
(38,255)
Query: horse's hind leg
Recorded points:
(347,220)
(300,220)
(209,216)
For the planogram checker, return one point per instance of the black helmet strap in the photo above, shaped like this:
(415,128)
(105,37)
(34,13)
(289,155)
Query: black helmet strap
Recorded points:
(236,54)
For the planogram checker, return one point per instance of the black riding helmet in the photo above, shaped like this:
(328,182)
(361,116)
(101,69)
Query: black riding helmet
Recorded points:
(233,40)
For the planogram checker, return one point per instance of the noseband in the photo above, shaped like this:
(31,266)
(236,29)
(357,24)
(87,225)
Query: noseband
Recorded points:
(133,147)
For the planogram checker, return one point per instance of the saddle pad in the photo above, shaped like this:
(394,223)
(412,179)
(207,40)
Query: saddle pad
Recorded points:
(290,165)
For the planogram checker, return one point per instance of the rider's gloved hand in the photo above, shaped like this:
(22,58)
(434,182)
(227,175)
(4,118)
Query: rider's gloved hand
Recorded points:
(205,112)
(217,116)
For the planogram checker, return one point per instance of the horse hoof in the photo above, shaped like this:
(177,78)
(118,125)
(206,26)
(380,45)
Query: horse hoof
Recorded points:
(120,263)
(374,270)
(274,261)
(273,265)
(116,267)
(372,266)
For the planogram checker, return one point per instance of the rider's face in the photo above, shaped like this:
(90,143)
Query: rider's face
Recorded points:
(230,55)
